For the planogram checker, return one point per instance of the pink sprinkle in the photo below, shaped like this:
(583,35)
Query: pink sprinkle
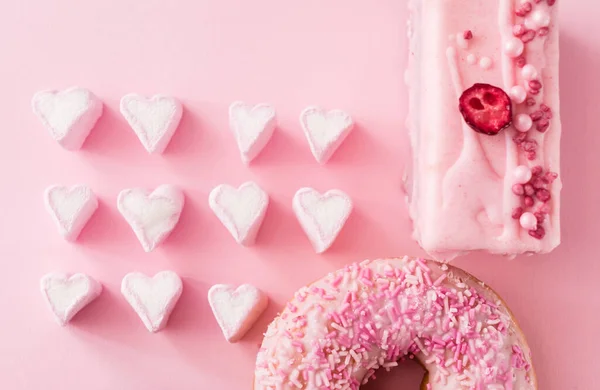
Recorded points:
(544,107)
(535,85)
(427,278)
(519,138)
(439,280)
(551,2)
(539,233)
(528,189)
(537,170)
(518,30)
(517,212)
(528,36)
(367,282)
(529,146)
(538,182)
(551,176)
(338,279)
(423,266)
(520,62)
(530,101)
(543,125)
(518,189)
(543,195)
(542,32)
(523,10)
(468,34)
(536,115)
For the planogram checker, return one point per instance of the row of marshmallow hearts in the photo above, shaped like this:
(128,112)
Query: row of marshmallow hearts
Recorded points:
(154,298)
(71,114)
(153,214)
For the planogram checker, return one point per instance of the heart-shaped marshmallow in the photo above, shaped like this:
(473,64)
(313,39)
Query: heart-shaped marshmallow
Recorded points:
(153,299)
(236,310)
(321,216)
(67,295)
(252,126)
(152,215)
(71,208)
(69,115)
(325,130)
(154,119)
(241,210)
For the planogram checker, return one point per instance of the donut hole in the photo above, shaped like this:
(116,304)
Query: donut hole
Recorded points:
(407,375)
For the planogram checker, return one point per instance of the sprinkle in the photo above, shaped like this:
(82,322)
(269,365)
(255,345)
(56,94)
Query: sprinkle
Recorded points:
(337,280)
(439,280)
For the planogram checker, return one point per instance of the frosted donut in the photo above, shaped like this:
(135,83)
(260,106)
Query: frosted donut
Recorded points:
(337,332)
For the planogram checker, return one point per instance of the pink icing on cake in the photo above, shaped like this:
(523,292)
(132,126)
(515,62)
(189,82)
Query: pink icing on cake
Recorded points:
(338,331)
(460,191)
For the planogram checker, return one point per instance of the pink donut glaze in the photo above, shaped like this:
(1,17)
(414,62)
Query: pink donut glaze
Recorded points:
(337,332)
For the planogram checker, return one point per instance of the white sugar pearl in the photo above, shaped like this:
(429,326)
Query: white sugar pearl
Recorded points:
(523,122)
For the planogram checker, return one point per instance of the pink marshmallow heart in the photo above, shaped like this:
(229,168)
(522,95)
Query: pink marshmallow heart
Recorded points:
(154,119)
(151,215)
(67,295)
(241,210)
(236,310)
(325,130)
(71,208)
(321,216)
(69,115)
(252,126)
(153,299)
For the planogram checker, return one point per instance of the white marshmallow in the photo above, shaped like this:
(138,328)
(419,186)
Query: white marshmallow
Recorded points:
(321,216)
(151,215)
(154,119)
(325,130)
(69,115)
(71,208)
(236,310)
(241,210)
(67,295)
(252,126)
(153,299)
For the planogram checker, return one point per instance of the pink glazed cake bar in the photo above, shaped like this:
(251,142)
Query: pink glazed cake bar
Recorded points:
(484,126)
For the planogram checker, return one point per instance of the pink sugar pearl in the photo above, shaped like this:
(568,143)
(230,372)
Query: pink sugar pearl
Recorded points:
(518,94)
(522,174)
(513,47)
(528,221)
(523,122)
(529,72)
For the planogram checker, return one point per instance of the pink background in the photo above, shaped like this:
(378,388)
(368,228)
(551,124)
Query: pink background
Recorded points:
(347,54)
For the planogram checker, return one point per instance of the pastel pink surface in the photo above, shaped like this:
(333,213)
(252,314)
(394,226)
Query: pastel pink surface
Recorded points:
(352,55)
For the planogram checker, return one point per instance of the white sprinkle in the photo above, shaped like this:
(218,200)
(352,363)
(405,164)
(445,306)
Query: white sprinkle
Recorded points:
(420,345)
(432,359)
(386,334)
